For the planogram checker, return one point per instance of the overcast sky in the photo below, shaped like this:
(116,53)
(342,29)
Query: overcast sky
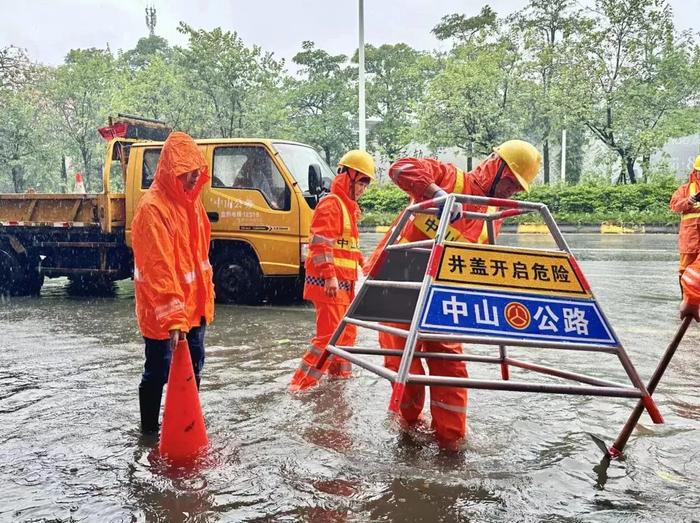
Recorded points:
(48,29)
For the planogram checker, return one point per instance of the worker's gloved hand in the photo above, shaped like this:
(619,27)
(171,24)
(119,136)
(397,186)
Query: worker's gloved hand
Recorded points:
(175,336)
(331,287)
(455,211)
(690,309)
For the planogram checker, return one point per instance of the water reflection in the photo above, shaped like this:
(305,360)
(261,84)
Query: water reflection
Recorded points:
(70,448)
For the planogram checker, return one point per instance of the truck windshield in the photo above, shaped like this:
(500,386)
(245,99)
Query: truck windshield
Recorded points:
(297,158)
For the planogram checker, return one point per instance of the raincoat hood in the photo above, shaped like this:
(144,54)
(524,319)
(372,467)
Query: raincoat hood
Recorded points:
(341,186)
(179,156)
(694,177)
(484,174)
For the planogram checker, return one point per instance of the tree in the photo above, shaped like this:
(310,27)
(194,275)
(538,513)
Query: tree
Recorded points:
(539,27)
(15,68)
(631,79)
(323,101)
(229,75)
(397,78)
(146,50)
(463,28)
(469,105)
(25,148)
(81,91)
(160,90)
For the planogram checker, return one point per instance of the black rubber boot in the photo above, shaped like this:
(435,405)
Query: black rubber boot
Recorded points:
(149,403)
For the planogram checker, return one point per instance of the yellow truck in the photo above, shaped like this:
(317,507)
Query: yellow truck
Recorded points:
(259,201)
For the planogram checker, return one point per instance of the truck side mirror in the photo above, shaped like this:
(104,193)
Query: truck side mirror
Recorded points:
(315,181)
(326,184)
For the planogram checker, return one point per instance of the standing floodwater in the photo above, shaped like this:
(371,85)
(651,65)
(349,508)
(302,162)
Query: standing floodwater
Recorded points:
(71,449)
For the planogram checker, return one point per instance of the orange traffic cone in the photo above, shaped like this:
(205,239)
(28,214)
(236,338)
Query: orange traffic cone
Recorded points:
(79,185)
(183,434)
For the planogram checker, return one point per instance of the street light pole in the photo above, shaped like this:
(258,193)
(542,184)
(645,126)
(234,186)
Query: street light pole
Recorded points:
(361,60)
(563,156)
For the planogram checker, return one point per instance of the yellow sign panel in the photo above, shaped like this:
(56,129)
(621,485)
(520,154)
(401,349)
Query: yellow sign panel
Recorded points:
(542,272)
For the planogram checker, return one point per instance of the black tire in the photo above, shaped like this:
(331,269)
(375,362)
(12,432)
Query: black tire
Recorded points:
(237,277)
(19,272)
(11,271)
(33,278)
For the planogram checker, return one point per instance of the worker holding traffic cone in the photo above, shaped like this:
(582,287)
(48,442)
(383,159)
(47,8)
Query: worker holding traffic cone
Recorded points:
(509,169)
(331,266)
(172,274)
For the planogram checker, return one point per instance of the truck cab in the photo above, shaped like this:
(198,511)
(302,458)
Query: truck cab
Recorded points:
(259,201)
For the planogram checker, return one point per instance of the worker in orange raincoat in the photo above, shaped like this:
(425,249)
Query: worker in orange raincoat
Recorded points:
(690,284)
(509,169)
(331,266)
(172,273)
(686,202)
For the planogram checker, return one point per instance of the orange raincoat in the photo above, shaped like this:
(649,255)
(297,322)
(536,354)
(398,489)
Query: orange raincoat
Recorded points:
(170,239)
(448,405)
(689,230)
(690,281)
(333,252)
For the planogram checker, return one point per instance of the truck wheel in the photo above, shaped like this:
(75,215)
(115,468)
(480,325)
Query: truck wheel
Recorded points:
(11,271)
(237,278)
(33,279)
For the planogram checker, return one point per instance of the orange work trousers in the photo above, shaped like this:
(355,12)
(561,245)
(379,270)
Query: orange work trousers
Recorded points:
(686,258)
(448,405)
(328,316)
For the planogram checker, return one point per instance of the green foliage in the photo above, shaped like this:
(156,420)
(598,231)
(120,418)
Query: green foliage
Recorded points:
(80,91)
(397,76)
(642,203)
(585,204)
(620,73)
(383,198)
(542,28)
(469,105)
(323,100)
(465,28)
(146,50)
(632,79)
(229,75)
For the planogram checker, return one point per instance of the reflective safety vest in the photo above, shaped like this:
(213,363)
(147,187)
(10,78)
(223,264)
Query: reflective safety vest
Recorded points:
(428,224)
(346,253)
(692,189)
(691,283)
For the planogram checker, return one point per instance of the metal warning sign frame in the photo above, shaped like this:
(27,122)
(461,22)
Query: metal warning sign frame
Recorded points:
(489,295)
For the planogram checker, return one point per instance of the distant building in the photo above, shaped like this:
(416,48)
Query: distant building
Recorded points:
(679,154)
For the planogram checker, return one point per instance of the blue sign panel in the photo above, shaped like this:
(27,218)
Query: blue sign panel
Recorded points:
(515,315)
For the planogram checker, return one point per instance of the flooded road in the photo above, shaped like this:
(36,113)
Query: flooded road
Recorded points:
(70,447)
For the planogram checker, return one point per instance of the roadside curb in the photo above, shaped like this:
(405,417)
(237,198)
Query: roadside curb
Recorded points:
(539,228)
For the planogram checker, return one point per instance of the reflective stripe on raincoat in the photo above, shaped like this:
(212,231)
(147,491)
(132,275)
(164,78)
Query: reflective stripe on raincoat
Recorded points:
(690,280)
(448,404)
(170,238)
(333,244)
(689,230)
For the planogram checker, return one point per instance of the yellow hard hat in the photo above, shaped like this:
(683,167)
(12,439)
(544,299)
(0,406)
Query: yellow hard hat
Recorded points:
(696,165)
(522,158)
(360,161)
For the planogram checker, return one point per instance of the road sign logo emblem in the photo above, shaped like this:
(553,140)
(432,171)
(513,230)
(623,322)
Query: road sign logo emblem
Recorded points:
(517,315)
